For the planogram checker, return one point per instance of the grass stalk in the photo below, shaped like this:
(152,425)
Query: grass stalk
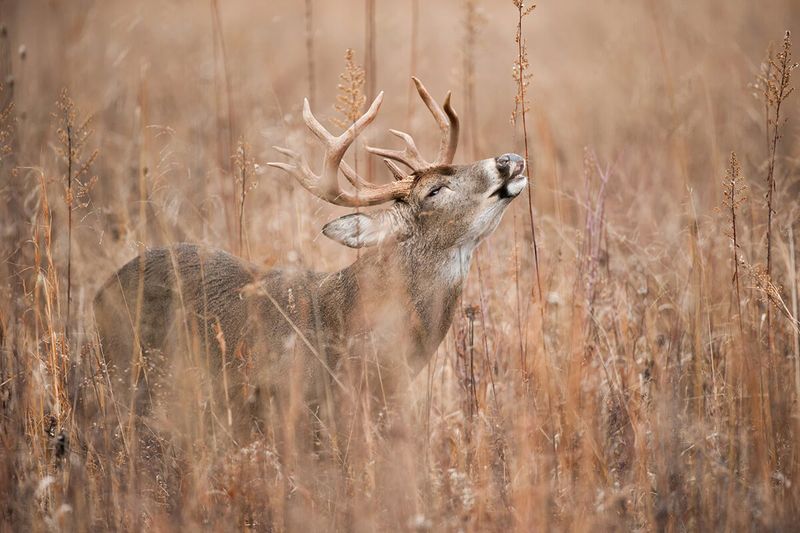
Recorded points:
(472,23)
(310,68)
(412,59)
(69,201)
(73,132)
(243,167)
(793,290)
(225,125)
(733,197)
(522,77)
(777,84)
(370,65)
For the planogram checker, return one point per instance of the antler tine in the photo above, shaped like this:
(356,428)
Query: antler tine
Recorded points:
(448,123)
(409,156)
(396,171)
(446,156)
(337,146)
(446,118)
(355,180)
(298,168)
(326,185)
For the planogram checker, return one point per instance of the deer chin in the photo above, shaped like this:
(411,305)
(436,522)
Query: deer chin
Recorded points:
(511,188)
(484,225)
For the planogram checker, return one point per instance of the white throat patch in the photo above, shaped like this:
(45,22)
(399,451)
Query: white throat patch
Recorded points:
(455,267)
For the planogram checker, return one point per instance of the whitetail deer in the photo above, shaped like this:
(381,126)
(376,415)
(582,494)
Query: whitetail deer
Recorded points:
(388,311)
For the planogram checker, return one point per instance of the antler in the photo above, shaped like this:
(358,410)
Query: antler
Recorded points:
(448,124)
(326,185)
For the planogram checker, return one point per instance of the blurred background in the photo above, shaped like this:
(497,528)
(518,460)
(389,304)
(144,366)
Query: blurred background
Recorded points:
(662,89)
(614,391)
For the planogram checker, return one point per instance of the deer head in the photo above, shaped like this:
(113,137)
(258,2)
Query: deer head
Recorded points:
(436,206)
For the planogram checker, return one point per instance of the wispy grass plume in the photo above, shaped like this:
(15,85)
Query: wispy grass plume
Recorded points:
(244,166)
(734,195)
(73,132)
(351,98)
(776,84)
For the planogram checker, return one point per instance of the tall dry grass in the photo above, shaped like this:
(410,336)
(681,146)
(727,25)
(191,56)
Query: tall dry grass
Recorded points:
(651,381)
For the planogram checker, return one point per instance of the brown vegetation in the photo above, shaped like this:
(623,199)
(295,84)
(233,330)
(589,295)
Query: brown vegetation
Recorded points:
(645,376)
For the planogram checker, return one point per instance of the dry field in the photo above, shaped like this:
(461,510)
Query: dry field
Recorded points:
(636,366)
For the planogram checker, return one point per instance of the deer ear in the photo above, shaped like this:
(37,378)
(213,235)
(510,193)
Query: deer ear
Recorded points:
(361,229)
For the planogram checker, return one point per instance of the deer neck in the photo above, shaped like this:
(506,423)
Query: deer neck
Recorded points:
(405,301)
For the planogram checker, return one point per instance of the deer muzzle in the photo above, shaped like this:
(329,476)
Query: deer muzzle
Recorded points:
(511,168)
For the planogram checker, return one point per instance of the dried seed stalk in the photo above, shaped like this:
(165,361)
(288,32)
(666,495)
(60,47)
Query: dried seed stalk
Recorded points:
(734,195)
(73,133)
(522,78)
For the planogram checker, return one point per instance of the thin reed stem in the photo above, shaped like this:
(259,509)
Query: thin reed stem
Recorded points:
(777,88)
(309,17)
(412,59)
(733,198)
(472,21)
(522,82)
(522,78)
(225,126)
(370,65)
(794,288)
(243,168)
(70,154)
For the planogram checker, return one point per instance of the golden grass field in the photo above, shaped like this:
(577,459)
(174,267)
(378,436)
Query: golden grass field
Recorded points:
(645,377)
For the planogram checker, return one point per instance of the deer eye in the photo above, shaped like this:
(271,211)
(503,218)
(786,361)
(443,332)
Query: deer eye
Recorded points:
(433,192)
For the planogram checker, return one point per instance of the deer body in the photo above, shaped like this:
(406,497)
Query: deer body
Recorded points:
(375,323)
(283,318)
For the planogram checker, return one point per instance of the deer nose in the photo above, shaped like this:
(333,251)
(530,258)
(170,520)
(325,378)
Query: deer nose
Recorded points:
(510,165)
